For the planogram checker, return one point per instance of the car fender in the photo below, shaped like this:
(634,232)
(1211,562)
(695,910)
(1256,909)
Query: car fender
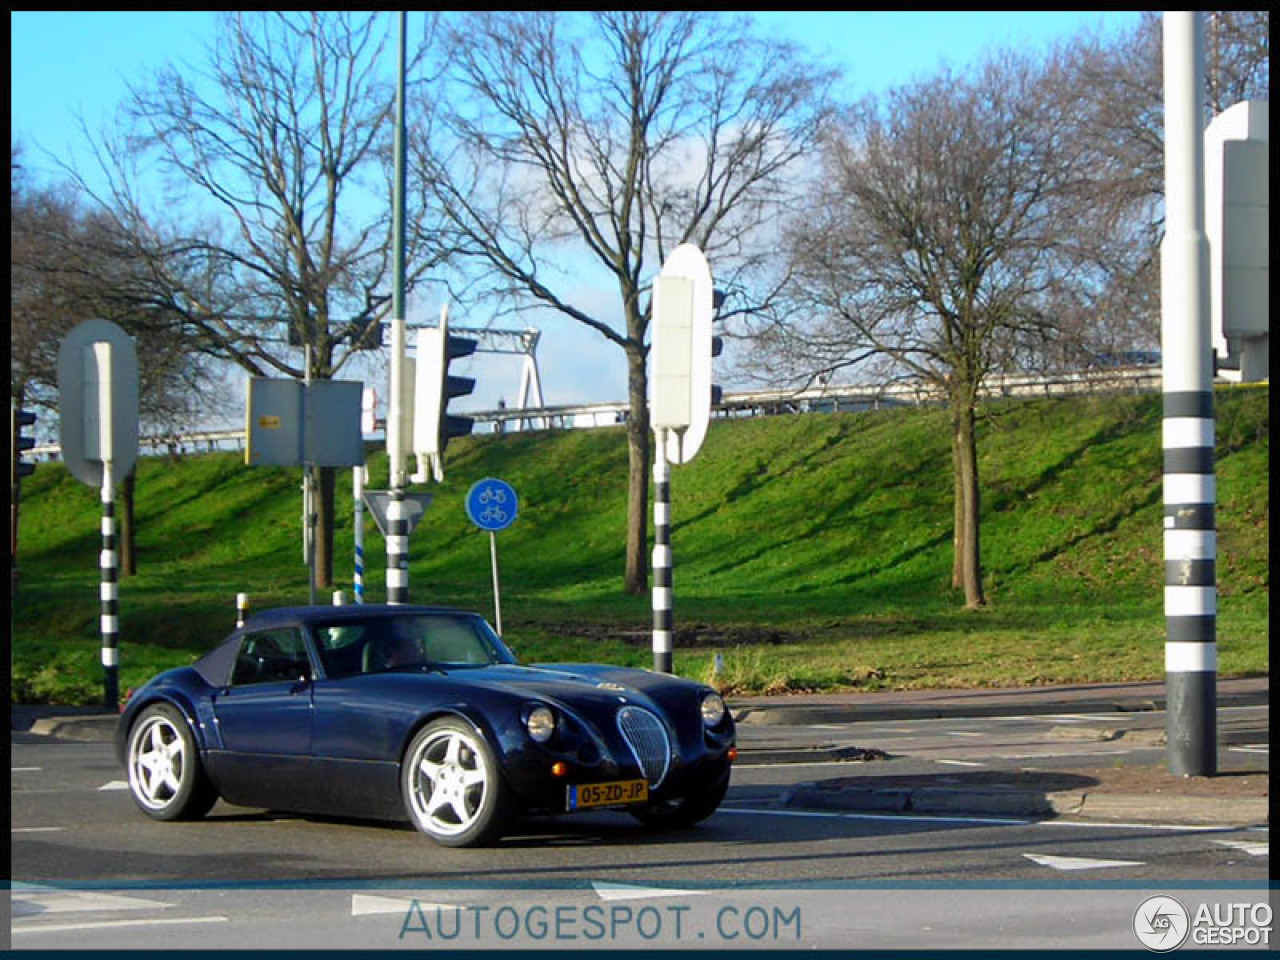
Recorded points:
(176,697)
(465,712)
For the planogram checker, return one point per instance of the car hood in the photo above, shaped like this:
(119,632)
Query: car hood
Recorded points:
(572,683)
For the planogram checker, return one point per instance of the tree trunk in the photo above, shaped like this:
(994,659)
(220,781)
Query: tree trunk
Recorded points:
(968,545)
(957,499)
(638,442)
(324,526)
(128,541)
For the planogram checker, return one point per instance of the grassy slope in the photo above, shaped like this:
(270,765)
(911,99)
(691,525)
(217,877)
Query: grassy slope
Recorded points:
(814,551)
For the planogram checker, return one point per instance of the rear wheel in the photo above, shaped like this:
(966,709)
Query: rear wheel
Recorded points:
(684,811)
(166,777)
(451,786)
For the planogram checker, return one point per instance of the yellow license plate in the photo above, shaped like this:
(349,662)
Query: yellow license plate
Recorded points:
(608,794)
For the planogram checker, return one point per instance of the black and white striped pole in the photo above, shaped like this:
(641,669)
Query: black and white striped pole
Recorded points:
(682,310)
(1190,541)
(663,603)
(98,434)
(108,592)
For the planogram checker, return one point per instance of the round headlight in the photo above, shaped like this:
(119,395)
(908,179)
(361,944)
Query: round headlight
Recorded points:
(541,724)
(712,709)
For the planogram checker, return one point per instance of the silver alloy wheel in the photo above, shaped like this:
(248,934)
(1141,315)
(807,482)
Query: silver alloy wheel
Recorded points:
(157,762)
(449,781)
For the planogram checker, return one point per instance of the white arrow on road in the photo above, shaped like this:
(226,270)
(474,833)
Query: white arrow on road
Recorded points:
(363,904)
(625,891)
(1079,863)
(1247,846)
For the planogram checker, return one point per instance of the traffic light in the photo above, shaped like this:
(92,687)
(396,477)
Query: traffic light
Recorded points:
(361,337)
(433,425)
(21,419)
(717,343)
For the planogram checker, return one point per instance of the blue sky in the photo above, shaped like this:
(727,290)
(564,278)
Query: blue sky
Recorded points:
(69,64)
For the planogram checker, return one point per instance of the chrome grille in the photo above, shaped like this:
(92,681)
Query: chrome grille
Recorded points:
(648,741)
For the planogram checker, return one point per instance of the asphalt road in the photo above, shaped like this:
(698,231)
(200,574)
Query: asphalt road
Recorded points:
(90,871)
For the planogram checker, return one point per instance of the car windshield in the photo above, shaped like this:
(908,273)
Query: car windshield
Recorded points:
(409,642)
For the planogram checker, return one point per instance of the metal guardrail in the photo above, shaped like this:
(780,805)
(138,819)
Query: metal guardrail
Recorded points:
(748,403)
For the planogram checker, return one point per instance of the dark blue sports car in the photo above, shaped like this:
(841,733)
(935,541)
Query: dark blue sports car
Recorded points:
(418,713)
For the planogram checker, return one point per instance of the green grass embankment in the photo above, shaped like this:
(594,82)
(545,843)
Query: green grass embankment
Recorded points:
(813,551)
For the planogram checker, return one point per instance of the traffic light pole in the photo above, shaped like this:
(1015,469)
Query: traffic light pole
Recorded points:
(663,611)
(397,529)
(1190,539)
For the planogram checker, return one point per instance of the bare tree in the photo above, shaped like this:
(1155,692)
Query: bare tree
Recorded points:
(936,249)
(61,274)
(275,215)
(1114,87)
(582,149)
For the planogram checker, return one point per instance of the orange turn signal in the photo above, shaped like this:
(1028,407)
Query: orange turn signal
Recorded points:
(559,768)
(733,754)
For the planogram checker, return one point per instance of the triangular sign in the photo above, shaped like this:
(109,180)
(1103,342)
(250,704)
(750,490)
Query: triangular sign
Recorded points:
(379,501)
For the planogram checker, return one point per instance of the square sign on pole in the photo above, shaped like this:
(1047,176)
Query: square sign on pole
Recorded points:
(289,423)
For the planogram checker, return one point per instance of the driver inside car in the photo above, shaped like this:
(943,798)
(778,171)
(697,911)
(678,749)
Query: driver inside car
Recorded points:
(401,650)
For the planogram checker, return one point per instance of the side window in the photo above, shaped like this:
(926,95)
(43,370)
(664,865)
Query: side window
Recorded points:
(271,656)
(341,648)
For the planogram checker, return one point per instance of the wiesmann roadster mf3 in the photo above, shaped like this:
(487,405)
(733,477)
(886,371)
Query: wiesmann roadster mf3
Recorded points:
(418,713)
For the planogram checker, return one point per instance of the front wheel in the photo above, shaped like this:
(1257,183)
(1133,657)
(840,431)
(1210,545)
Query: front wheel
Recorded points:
(451,786)
(684,811)
(165,775)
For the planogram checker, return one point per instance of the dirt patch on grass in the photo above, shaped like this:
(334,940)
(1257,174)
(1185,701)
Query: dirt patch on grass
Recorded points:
(693,635)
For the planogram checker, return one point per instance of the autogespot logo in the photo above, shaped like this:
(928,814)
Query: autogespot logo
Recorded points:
(1161,923)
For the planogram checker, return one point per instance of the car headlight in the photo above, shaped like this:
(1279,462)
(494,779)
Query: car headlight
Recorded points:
(540,723)
(713,710)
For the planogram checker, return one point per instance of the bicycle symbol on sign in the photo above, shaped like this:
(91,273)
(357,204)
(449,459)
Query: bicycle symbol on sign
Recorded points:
(492,504)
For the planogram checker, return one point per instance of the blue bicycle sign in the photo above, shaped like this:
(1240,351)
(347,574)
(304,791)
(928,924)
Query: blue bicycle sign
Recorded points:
(492,504)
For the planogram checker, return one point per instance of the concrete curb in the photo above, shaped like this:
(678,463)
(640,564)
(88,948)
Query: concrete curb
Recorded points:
(1080,804)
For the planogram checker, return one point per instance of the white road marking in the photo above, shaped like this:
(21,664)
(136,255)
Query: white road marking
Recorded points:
(1080,863)
(961,763)
(962,733)
(1249,847)
(626,891)
(37,829)
(106,924)
(1251,748)
(25,769)
(42,901)
(363,904)
(930,818)
(917,818)
(115,785)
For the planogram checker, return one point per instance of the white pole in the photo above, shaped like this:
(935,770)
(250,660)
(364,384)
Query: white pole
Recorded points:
(497,588)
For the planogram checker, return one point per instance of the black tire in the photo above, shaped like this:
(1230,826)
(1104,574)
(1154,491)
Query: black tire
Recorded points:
(166,778)
(684,811)
(451,786)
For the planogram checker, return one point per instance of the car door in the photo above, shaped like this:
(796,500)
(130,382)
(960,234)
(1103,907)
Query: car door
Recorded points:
(263,718)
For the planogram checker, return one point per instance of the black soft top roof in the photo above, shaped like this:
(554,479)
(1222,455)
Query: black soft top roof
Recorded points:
(215,666)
